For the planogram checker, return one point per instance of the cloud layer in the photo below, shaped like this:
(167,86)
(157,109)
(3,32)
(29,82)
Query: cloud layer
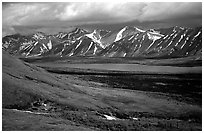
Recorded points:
(65,14)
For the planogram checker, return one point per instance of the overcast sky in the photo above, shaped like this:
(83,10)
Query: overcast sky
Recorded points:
(60,15)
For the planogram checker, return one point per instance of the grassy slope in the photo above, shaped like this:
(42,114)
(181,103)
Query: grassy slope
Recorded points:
(24,83)
(18,121)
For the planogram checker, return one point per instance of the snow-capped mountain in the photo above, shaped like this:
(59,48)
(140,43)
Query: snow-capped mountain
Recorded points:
(77,42)
(125,42)
(172,42)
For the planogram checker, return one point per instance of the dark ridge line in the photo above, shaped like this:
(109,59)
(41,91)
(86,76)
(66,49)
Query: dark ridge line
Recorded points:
(40,81)
(56,58)
(114,73)
(14,76)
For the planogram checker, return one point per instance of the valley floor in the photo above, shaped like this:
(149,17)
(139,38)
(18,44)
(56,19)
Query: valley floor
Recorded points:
(51,99)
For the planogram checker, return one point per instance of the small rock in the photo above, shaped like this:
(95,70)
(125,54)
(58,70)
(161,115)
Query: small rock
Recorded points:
(135,118)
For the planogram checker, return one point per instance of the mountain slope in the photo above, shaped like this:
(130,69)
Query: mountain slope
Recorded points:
(175,42)
(125,42)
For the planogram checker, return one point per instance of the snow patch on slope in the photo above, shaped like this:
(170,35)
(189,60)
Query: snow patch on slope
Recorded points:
(39,36)
(93,37)
(25,111)
(49,44)
(150,45)
(154,36)
(109,117)
(88,48)
(139,29)
(119,35)
(78,44)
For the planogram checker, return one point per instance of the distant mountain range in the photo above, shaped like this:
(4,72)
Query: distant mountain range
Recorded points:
(124,42)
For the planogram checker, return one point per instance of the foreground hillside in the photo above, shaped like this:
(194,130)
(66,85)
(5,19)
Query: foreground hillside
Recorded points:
(35,99)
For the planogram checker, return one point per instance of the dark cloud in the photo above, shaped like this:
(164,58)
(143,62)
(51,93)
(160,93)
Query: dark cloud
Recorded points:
(99,13)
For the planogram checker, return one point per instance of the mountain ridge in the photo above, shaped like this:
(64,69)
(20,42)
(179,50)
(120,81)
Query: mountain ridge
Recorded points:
(125,42)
